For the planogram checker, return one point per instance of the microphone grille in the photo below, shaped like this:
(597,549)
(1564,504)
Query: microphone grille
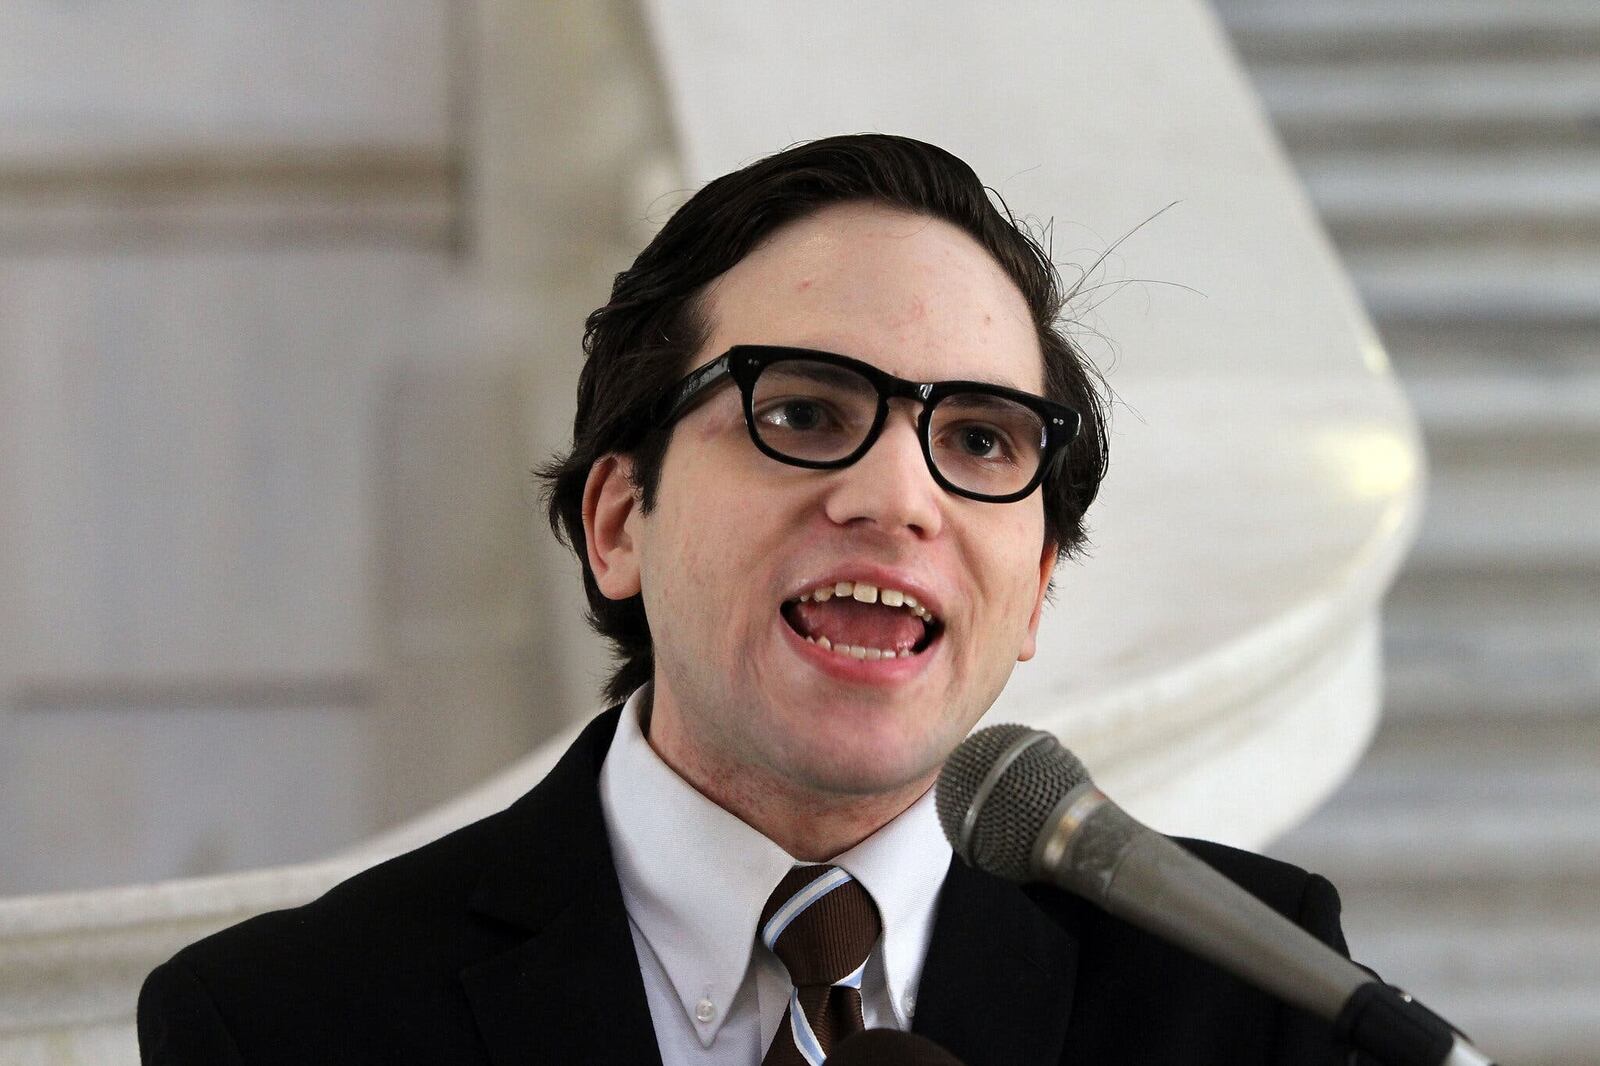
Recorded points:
(1012,813)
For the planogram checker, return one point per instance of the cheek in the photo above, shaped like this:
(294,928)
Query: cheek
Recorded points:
(1015,576)
(722,419)
(704,558)
(683,570)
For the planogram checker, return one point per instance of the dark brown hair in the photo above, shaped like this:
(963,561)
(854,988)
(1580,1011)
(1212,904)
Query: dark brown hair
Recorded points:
(641,342)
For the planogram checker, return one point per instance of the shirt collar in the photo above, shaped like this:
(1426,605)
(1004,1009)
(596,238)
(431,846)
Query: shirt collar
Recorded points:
(903,866)
(695,878)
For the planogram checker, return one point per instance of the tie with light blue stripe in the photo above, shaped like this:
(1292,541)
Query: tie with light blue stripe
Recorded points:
(821,924)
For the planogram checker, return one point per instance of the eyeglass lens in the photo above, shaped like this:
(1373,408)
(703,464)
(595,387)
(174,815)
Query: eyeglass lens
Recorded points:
(818,412)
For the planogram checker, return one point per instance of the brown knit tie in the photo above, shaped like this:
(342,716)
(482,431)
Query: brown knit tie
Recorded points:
(822,924)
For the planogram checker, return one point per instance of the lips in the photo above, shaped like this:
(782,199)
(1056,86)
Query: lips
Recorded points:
(862,621)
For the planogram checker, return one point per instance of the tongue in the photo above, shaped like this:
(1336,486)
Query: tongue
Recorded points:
(866,625)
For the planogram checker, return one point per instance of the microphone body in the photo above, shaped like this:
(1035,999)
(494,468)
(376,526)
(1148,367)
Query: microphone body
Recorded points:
(1095,849)
(1015,803)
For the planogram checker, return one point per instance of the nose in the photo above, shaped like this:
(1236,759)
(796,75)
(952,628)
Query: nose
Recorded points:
(890,487)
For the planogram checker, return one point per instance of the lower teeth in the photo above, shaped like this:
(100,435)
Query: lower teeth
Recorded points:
(855,651)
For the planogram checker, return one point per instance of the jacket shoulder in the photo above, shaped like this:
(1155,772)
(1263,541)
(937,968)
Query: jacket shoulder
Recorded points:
(382,952)
(326,981)
(411,892)
(1309,899)
(421,898)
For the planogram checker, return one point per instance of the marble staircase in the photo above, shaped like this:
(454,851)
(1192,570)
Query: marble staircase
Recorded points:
(1453,150)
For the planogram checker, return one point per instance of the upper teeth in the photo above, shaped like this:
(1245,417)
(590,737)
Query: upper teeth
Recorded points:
(865,593)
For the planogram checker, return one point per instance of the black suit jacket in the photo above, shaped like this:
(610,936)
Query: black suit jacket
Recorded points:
(506,942)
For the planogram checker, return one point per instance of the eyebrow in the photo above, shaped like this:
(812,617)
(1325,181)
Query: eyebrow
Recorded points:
(979,400)
(817,371)
(976,378)
(1004,383)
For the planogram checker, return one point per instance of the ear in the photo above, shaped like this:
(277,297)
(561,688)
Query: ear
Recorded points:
(610,513)
(1047,567)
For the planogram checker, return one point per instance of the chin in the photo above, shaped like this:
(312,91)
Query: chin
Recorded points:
(865,769)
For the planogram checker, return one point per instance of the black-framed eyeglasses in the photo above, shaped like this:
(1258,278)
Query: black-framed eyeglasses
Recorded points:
(824,411)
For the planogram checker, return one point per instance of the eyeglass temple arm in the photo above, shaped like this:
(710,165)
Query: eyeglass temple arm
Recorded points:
(672,404)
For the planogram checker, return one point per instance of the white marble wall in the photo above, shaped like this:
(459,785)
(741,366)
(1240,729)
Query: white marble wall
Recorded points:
(275,309)
(274,480)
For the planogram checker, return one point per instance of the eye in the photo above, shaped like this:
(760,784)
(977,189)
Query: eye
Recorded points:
(796,415)
(979,441)
(984,433)
(976,440)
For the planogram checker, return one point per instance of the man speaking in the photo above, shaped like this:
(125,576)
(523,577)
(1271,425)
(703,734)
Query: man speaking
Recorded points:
(829,446)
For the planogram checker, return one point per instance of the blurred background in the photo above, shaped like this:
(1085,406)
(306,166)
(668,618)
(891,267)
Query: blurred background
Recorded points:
(1453,150)
(283,289)
(290,302)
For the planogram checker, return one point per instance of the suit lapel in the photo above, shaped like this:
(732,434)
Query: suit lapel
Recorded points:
(569,990)
(996,988)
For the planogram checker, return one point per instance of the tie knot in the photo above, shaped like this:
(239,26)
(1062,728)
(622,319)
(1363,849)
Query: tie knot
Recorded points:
(821,923)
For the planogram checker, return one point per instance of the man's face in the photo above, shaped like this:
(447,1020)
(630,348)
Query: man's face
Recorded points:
(737,538)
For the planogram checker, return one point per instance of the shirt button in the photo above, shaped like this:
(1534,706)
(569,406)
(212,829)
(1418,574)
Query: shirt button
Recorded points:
(705,1011)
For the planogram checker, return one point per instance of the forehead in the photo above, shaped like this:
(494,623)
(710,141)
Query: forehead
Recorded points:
(913,295)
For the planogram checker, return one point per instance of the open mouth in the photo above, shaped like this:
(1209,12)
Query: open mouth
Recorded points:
(862,621)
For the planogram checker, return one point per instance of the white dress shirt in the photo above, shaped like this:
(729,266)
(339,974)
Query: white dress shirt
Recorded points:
(694,880)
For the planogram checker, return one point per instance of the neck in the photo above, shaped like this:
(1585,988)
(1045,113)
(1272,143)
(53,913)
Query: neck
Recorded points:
(811,824)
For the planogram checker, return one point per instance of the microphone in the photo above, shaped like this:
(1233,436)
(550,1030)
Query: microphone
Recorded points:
(1015,803)
(889,1047)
